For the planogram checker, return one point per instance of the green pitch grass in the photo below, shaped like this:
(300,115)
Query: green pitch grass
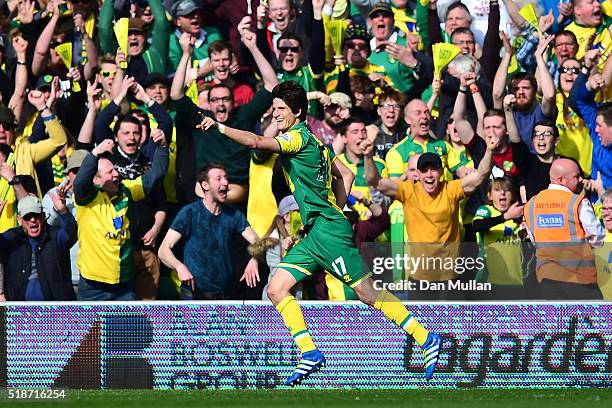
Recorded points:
(414,398)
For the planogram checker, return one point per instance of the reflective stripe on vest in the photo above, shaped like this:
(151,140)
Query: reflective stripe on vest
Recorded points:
(565,255)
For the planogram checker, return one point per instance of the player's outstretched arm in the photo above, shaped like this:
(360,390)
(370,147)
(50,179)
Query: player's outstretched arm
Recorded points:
(242,137)
(386,186)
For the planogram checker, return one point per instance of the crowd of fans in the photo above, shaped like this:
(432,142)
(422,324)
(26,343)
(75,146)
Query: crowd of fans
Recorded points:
(110,189)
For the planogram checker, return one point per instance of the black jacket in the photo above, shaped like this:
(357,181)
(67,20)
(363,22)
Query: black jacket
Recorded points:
(53,260)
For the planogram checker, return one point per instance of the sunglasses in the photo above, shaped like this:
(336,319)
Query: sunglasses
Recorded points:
(380,14)
(7,125)
(285,50)
(106,73)
(570,70)
(31,217)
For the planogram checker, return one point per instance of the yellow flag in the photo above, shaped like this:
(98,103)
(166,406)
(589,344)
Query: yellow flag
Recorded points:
(65,52)
(192,90)
(443,54)
(529,14)
(90,24)
(121,32)
(336,29)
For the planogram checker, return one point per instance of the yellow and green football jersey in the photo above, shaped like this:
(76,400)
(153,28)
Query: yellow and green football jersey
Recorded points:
(105,253)
(307,166)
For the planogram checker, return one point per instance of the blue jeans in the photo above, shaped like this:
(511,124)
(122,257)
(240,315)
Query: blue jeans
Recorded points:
(99,291)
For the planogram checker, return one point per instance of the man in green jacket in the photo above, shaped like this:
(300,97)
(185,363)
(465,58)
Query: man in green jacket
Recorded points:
(142,59)
(186,18)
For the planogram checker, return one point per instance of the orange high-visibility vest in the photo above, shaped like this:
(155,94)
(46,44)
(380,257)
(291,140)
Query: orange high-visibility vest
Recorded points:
(562,252)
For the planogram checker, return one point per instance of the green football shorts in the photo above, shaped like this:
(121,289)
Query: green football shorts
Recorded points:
(329,246)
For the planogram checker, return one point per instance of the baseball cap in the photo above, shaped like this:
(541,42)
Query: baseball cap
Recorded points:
(44,82)
(184,8)
(429,160)
(29,205)
(381,6)
(287,204)
(341,99)
(155,78)
(6,115)
(75,160)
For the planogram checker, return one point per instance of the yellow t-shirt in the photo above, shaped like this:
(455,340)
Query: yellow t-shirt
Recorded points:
(432,220)
(574,139)
(105,243)
(602,41)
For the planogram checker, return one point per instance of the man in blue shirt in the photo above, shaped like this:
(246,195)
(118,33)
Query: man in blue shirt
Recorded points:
(207,227)
(598,120)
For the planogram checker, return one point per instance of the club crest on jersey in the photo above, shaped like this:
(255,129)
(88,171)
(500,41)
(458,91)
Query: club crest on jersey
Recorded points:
(118,222)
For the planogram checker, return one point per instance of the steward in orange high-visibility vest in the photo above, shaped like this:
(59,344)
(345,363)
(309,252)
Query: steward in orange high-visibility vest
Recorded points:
(562,251)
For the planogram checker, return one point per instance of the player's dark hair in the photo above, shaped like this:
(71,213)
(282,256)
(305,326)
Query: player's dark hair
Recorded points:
(203,174)
(294,96)
(348,122)
(128,118)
